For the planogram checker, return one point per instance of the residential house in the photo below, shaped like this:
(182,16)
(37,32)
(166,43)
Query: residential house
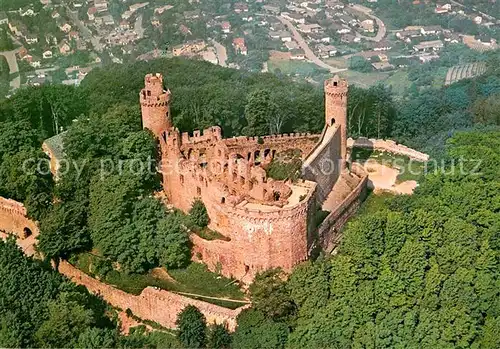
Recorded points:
(431,30)
(407,35)
(108,20)
(240,46)
(428,58)
(428,46)
(192,14)
(309,28)
(271,9)
(346,19)
(240,7)
(325,51)
(31,38)
(339,28)
(452,38)
(124,25)
(65,27)
(291,45)
(349,39)
(3,18)
(101,5)
(73,35)
(442,9)
(47,54)
(55,14)
(155,22)
(22,52)
(184,30)
(17,28)
(226,27)
(64,47)
(382,45)
(26,12)
(293,17)
(298,54)
(127,14)
(36,62)
(478,19)
(160,10)
(382,66)
(91,13)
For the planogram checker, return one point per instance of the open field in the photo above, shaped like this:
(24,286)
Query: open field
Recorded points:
(364,79)
(398,81)
(409,169)
(293,67)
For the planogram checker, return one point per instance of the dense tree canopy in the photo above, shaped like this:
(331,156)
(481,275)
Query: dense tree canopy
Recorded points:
(423,271)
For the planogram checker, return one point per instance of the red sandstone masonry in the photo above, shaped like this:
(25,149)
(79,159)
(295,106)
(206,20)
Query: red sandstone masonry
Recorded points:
(13,218)
(152,304)
(329,231)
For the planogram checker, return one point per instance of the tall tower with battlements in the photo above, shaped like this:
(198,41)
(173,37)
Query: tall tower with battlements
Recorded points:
(336,108)
(155,105)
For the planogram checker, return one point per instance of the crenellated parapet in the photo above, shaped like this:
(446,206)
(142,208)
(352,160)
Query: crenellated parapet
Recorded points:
(271,214)
(211,134)
(14,219)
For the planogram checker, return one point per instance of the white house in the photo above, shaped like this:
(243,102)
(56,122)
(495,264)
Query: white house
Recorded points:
(47,54)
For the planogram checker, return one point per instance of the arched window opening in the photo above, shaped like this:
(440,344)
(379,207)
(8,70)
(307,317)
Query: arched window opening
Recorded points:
(276,196)
(27,232)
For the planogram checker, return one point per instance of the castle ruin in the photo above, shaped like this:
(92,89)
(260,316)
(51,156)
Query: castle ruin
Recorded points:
(266,223)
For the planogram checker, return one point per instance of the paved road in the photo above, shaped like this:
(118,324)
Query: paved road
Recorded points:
(221,53)
(86,33)
(13,67)
(382,30)
(309,53)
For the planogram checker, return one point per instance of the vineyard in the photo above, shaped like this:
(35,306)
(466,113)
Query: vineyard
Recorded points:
(466,71)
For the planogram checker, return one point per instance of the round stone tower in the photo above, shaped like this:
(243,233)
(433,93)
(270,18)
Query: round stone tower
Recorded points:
(155,105)
(336,108)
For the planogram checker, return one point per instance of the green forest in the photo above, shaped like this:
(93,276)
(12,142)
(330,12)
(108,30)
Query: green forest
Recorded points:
(421,269)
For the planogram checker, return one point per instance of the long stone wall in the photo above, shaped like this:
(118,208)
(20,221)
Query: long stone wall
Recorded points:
(323,164)
(329,231)
(388,146)
(152,304)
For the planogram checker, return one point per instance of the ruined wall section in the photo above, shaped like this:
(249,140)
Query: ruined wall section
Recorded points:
(13,218)
(259,239)
(152,304)
(323,165)
(387,146)
(253,147)
(329,232)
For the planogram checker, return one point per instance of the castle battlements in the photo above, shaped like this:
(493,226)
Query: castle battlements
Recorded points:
(266,221)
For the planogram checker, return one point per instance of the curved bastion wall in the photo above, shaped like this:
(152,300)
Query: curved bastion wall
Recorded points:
(260,237)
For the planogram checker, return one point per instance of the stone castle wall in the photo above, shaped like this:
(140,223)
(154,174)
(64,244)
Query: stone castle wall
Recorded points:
(388,146)
(13,218)
(329,232)
(324,162)
(259,239)
(152,304)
